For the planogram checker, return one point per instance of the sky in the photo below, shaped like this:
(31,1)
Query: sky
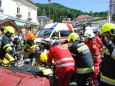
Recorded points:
(83,5)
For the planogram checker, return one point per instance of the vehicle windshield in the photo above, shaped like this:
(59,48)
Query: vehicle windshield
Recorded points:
(44,33)
(65,33)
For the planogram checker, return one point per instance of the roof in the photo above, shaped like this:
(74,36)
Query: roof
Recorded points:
(43,18)
(58,26)
(83,16)
(7,23)
(30,1)
(21,20)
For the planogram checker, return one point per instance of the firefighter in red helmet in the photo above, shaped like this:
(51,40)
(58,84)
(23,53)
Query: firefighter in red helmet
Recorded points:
(30,47)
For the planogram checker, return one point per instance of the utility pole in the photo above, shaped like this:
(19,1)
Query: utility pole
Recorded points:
(49,1)
(109,12)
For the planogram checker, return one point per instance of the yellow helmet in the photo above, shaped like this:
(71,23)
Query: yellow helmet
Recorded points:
(43,57)
(55,31)
(106,27)
(73,37)
(112,31)
(9,30)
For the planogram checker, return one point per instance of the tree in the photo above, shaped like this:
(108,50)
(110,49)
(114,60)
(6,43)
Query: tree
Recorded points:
(57,10)
(91,13)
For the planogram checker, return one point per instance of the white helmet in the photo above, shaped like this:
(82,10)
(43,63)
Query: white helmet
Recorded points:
(55,42)
(88,28)
(89,34)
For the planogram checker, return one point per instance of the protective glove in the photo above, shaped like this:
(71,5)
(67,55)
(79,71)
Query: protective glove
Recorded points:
(31,51)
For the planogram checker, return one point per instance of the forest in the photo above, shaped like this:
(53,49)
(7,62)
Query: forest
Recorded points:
(57,12)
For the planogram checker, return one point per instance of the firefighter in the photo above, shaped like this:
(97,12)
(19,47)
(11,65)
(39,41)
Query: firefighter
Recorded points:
(97,39)
(1,34)
(83,59)
(94,48)
(99,42)
(6,48)
(55,35)
(64,63)
(107,72)
(17,48)
(30,47)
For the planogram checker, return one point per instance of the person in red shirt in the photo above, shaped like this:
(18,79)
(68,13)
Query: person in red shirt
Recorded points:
(64,64)
(95,31)
(99,42)
(90,41)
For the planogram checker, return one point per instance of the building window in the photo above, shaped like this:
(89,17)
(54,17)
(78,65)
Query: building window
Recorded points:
(18,9)
(0,3)
(29,14)
(114,9)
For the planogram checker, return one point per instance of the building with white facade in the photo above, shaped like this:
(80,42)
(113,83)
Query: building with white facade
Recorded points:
(112,10)
(20,11)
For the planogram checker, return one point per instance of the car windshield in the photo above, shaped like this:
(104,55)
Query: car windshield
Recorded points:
(44,33)
(65,33)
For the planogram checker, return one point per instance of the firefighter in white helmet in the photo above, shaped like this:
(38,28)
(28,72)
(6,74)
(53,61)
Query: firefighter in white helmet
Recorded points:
(94,48)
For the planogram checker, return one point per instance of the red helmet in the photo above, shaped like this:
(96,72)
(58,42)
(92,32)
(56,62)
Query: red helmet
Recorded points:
(30,36)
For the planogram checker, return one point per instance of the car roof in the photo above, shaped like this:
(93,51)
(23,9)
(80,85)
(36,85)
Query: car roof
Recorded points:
(59,26)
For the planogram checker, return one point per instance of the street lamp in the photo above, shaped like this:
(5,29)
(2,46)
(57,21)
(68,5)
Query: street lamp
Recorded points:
(49,1)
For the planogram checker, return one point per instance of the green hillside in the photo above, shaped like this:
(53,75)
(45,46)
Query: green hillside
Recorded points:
(58,12)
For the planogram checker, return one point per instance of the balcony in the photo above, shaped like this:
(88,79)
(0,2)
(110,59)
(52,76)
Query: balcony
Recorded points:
(1,10)
(29,19)
(18,15)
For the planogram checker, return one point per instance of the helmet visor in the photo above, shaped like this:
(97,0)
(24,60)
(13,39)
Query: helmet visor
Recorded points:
(71,41)
(8,34)
(112,32)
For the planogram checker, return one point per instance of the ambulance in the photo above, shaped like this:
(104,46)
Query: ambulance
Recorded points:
(63,30)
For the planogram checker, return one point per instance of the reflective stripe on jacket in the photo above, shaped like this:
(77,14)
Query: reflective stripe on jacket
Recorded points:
(85,70)
(28,46)
(83,57)
(63,62)
(107,79)
(63,59)
(66,64)
(7,47)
